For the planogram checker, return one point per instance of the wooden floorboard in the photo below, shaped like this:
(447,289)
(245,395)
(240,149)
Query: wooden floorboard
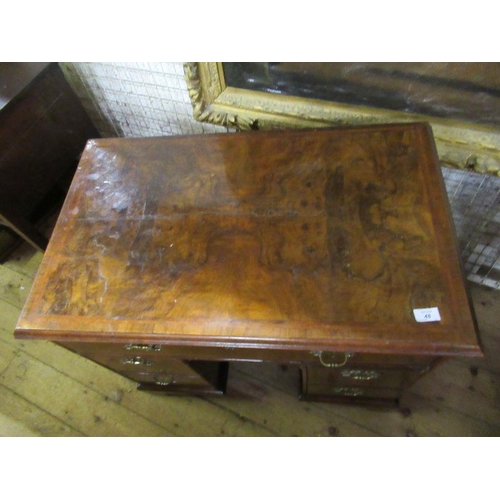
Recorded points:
(46,390)
(21,417)
(254,394)
(176,415)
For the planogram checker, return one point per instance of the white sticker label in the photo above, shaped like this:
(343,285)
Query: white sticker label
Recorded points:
(427,315)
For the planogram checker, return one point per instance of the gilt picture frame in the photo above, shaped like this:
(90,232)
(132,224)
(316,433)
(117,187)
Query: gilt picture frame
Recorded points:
(460,144)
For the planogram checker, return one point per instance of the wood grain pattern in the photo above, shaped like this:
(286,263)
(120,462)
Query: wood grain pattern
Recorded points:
(322,239)
(460,398)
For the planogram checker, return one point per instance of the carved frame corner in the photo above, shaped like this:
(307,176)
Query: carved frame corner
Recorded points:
(205,83)
(460,145)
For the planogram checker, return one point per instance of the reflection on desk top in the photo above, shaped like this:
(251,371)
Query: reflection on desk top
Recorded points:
(306,239)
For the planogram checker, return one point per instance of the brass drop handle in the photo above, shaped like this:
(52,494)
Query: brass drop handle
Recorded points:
(143,347)
(319,354)
(164,380)
(137,360)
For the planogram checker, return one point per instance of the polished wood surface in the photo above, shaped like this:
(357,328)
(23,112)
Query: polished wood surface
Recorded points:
(300,240)
(46,390)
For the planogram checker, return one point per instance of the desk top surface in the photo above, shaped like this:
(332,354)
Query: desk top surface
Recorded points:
(307,239)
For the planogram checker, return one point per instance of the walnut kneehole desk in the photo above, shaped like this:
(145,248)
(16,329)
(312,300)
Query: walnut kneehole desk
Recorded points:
(331,250)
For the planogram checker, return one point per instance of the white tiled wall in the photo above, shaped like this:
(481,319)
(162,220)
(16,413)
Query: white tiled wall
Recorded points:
(151,99)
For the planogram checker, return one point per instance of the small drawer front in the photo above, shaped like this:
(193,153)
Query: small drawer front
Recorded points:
(134,364)
(351,383)
(320,378)
(365,360)
(356,395)
(93,349)
(169,379)
(119,358)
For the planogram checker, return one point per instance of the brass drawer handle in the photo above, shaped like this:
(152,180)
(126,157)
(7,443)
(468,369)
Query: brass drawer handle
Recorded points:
(348,391)
(164,380)
(142,347)
(346,355)
(360,374)
(137,360)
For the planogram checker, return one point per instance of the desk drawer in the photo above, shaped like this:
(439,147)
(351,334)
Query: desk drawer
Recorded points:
(158,351)
(158,372)
(322,384)
(320,378)
(355,395)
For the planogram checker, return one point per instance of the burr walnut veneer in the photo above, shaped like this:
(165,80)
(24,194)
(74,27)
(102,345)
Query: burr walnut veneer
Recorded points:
(331,250)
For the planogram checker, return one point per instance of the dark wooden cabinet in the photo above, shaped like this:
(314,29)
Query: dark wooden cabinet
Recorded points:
(331,251)
(43,129)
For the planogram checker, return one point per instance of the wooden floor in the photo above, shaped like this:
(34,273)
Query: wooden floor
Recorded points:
(48,391)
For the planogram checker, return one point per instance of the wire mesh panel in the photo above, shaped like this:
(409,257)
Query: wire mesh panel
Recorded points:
(475,205)
(136,99)
(151,99)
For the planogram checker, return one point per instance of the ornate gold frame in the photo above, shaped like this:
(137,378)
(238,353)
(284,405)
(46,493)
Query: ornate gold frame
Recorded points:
(460,144)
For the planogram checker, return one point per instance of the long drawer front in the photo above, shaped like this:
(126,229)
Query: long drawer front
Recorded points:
(152,352)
